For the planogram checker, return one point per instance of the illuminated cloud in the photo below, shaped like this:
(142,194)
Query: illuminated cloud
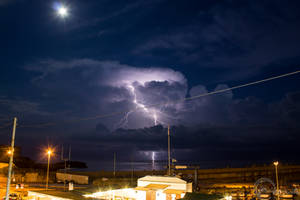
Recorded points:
(87,87)
(116,87)
(92,88)
(128,75)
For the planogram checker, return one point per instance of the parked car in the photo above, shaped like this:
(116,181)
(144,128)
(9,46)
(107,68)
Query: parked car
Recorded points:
(13,196)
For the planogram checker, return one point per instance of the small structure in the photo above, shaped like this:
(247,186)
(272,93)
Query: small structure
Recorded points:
(149,188)
(79,179)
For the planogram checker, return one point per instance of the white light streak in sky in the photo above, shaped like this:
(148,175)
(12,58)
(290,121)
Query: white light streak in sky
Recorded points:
(153,160)
(151,112)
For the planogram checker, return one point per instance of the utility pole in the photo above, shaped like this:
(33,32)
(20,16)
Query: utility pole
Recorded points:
(131,170)
(48,167)
(169,153)
(62,152)
(65,162)
(69,163)
(114,164)
(11,159)
(277,184)
(70,148)
(65,174)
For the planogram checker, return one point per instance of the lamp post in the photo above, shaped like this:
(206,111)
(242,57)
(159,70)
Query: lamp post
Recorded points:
(11,157)
(276,171)
(49,152)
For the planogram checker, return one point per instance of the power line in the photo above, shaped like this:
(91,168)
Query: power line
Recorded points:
(71,121)
(152,105)
(241,86)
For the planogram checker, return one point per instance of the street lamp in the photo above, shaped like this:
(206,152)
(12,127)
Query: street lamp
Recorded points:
(9,152)
(276,171)
(49,152)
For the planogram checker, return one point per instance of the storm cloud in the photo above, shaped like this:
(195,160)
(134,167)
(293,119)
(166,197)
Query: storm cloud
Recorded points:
(104,87)
(112,75)
(99,88)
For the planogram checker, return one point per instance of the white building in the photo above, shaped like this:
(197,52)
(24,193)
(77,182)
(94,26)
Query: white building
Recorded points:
(150,188)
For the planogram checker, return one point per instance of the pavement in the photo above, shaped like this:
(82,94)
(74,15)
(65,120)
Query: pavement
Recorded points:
(34,187)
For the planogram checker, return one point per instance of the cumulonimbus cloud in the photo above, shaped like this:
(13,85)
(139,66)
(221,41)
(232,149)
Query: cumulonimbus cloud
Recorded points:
(102,87)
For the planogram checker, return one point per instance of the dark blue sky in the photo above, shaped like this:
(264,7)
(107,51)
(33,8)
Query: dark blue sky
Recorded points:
(106,54)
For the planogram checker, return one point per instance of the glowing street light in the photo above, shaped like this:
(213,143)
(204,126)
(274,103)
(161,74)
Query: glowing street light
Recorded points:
(276,171)
(9,152)
(49,152)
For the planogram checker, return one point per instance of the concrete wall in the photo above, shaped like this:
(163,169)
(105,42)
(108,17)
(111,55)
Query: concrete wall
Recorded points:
(31,177)
(80,179)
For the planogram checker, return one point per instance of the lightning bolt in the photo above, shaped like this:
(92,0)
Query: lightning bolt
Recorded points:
(124,120)
(153,160)
(150,112)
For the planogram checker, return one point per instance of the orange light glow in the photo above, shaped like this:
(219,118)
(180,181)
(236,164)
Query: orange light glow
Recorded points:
(49,152)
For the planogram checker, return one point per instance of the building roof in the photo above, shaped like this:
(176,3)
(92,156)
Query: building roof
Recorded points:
(157,186)
(162,179)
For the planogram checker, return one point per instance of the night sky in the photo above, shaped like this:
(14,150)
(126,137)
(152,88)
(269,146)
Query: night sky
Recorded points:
(111,76)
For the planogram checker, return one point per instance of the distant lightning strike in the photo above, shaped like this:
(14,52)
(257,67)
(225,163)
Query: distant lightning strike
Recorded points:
(153,160)
(152,113)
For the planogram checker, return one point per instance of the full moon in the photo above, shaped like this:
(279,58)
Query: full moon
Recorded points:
(62,11)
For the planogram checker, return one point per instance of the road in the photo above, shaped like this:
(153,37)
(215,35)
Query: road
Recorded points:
(33,187)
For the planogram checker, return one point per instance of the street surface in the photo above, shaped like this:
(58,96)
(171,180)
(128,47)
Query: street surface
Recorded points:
(31,187)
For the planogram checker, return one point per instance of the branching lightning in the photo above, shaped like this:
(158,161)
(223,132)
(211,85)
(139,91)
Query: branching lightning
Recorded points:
(138,104)
(152,113)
